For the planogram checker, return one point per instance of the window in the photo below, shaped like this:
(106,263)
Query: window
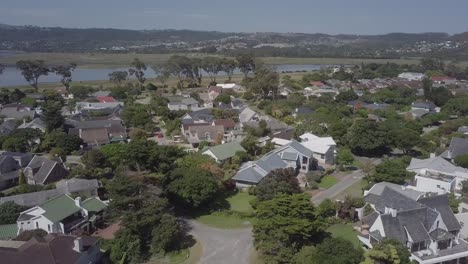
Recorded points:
(37,225)
(438,186)
(48,228)
(304,159)
(322,156)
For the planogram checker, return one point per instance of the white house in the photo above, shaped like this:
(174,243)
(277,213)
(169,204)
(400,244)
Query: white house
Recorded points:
(248,115)
(423,223)
(324,148)
(440,166)
(411,76)
(434,182)
(184,104)
(61,214)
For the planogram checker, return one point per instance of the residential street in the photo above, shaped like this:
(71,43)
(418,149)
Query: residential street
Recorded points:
(336,189)
(222,246)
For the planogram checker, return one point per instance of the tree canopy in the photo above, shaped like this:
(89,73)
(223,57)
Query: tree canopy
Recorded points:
(277,182)
(284,225)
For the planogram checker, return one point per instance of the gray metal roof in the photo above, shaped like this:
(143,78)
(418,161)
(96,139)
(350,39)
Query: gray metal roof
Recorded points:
(289,155)
(458,146)
(436,164)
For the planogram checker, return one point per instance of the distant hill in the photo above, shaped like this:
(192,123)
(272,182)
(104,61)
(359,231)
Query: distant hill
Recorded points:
(57,39)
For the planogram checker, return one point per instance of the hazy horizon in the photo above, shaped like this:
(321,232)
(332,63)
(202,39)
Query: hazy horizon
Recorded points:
(366,17)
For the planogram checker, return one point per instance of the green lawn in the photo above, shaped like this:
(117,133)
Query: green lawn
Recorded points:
(354,190)
(344,231)
(238,203)
(327,182)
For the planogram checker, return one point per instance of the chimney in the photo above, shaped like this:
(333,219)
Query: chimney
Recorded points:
(78,244)
(78,201)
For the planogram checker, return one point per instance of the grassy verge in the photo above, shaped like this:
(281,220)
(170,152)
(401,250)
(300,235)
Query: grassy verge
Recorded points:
(237,216)
(255,257)
(354,190)
(186,256)
(327,182)
(344,231)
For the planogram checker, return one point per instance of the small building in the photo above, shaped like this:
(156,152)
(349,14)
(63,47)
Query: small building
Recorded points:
(198,116)
(182,103)
(227,123)
(428,106)
(251,173)
(434,182)
(17,112)
(443,80)
(36,123)
(323,148)
(224,151)
(62,215)
(52,249)
(458,146)
(7,127)
(247,115)
(43,171)
(411,76)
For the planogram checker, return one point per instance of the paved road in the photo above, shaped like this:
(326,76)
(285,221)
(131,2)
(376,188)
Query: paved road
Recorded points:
(223,246)
(336,189)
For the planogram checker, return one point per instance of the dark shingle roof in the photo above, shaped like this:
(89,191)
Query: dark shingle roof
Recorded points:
(391,199)
(52,249)
(458,146)
(440,203)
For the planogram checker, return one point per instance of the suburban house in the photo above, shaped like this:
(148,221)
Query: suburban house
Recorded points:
(196,133)
(52,249)
(247,115)
(411,76)
(443,80)
(318,92)
(425,224)
(296,156)
(428,106)
(182,103)
(458,146)
(272,124)
(224,151)
(227,123)
(10,166)
(36,123)
(7,127)
(106,99)
(9,172)
(80,106)
(235,135)
(252,172)
(17,112)
(230,86)
(214,92)
(323,148)
(437,175)
(98,132)
(302,111)
(43,171)
(198,116)
(292,155)
(62,215)
(81,187)
(463,130)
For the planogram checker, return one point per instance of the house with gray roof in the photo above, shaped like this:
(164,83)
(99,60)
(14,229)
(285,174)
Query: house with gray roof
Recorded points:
(198,116)
(424,223)
(292,155)
(182,103)
(437,175)
(252,172)
(458,146)
(17,112)
(36,123)
(7,127)
(43,171)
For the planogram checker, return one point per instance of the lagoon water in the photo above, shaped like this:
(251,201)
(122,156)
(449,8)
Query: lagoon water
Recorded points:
(12,76)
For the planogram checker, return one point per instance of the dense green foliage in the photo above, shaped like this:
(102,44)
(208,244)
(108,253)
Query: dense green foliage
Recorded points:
(330,251)
(277,182)
(9,212)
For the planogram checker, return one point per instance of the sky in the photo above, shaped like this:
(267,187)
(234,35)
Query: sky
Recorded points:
(308,16)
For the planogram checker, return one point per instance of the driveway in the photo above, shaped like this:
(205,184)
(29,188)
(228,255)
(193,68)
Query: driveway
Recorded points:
(345,182)
(341,186)
(222,246)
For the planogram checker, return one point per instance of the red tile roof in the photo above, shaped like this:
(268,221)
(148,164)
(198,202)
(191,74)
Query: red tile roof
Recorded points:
(105,99)
(319,84)
(442,78)
(227,123)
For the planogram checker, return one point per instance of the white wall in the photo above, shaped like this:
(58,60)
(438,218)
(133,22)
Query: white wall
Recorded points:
(425,184)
